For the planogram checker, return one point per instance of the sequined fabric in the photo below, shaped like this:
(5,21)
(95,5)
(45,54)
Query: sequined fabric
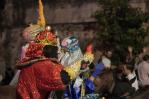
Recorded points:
(37,80)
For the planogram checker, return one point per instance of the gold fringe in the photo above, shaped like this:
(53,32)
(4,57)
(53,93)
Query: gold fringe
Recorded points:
(82,91)
(41,18)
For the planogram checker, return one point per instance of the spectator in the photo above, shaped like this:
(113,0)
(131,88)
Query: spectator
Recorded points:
(131,76)
(143,71)
(139,59)
(130,55)
(106,58)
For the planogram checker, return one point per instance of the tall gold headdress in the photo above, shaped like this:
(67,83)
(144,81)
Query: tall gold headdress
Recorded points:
(41,19)
(30,32)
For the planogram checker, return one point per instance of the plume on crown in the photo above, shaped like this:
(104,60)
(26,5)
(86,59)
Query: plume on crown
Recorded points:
(30,32)
(41,19)
(89,56)
(39,34)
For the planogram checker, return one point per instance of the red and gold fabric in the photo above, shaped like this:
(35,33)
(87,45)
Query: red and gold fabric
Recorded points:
(37,80)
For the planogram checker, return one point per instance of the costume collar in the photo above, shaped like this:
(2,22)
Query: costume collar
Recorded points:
(27,62)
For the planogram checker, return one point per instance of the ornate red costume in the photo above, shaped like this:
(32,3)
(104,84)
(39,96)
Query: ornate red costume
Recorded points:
(39,75)
(37,80)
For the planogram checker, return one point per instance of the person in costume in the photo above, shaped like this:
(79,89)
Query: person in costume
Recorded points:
(72,51)
(29,35)
(72,60)
(40,72)
(87,88)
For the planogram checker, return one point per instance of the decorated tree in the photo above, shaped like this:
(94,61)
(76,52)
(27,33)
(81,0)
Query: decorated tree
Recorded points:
(121,26)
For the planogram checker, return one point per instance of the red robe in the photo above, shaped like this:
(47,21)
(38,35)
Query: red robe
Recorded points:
(37,80)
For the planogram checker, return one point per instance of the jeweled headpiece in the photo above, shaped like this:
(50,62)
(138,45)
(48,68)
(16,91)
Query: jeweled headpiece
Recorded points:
(71,44)
(46,38)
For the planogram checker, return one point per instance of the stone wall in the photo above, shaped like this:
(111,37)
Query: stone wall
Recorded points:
(10,44)
(24,12)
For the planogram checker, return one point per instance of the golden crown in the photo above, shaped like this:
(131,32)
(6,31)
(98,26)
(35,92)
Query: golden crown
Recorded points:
(47,38)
